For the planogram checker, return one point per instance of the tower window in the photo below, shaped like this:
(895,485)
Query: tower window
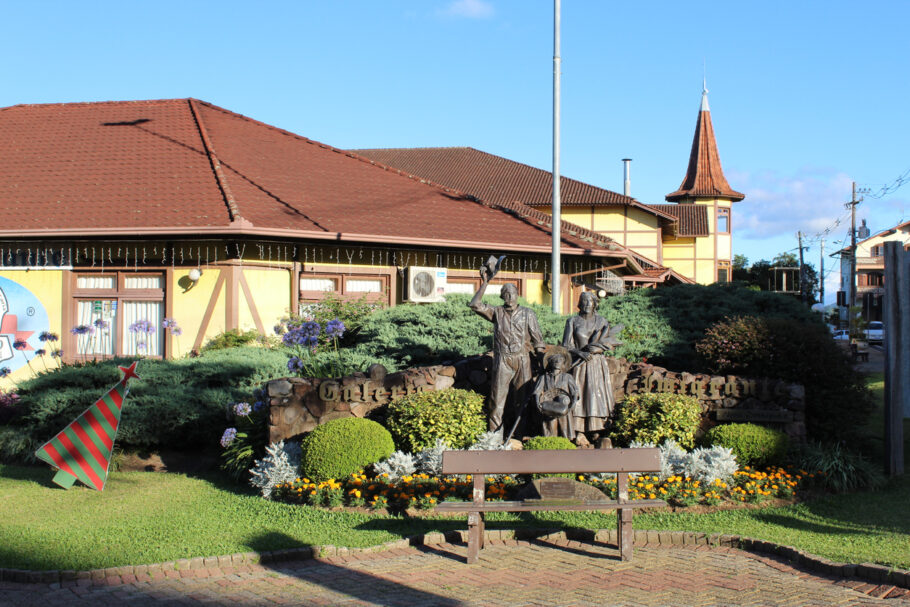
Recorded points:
(723,221)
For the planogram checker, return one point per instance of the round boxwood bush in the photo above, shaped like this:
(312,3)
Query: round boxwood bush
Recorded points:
(417,420)
(341,447)
(655,417)
(539,443)
(753,445)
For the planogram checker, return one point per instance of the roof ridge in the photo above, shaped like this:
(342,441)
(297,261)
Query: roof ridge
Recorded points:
(229,200)
(110,102)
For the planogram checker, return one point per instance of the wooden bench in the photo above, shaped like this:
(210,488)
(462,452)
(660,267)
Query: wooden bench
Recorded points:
(860,352)
(483,463)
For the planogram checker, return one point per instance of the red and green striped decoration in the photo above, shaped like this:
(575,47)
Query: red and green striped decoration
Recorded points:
(83,449)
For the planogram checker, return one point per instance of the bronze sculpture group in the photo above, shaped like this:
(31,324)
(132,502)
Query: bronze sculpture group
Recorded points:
(573,396)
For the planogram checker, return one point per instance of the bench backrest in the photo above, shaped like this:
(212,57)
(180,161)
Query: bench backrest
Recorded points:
(551,461)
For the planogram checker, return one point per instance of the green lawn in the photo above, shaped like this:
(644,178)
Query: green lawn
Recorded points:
(148,517)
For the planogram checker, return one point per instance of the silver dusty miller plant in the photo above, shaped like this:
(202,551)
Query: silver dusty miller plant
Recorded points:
(396,466)
(279,465)
(709,465)
(673,460)
(488,441)
(429,461)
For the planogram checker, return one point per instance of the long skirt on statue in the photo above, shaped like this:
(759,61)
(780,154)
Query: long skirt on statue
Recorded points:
(595,388)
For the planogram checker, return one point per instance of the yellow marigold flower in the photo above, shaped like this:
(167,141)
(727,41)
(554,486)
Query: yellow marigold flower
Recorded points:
(356,492)
(652,496)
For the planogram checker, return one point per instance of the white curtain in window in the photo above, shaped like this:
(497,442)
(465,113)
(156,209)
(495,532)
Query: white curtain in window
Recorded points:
(461,287)
(366,285)
(317,284)
(142,343)
(101,316)
(95,282)
(142,282)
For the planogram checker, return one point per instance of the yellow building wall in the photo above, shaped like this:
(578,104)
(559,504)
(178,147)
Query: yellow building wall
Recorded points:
(609,219)
(191,304)
(580,216)
(271,290)
(30,320)
(535,291)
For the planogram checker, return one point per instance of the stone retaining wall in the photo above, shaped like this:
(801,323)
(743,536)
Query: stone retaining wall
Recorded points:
(297,405)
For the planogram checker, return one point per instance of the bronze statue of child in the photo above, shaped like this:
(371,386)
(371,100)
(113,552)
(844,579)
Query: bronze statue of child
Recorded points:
(555,395)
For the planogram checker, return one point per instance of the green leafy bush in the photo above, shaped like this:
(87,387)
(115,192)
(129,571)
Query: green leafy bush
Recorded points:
(417,420)
(341,447)
(352,312)
(752,444)
(540,443)
(839,469)
(655,417)
(177,404)
(235,338)
(837,401)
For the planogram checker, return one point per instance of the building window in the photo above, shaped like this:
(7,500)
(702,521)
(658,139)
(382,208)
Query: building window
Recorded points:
(723,271)
(723,221)
(314,287)
(119,314)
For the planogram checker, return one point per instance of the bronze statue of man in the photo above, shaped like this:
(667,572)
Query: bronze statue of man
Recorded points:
(515,333)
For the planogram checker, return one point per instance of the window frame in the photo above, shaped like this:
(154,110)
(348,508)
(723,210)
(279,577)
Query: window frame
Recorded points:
(724,212)
(121,295)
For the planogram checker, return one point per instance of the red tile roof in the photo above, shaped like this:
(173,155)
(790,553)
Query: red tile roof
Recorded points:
(704,177)
(693,218)
(184,167)
(497,179)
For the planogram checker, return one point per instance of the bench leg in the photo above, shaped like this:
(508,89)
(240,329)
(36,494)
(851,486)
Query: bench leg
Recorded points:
(475,535)
(624,533)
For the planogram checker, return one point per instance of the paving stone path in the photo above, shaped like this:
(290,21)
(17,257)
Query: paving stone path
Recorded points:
(510,572)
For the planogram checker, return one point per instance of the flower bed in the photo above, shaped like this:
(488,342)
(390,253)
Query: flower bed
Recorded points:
(423,492)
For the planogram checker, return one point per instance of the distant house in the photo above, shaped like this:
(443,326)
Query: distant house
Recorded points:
(870,269)
(120,212)
(692,236)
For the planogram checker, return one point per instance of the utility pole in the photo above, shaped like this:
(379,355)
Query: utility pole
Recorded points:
(821,276)
(802,270)
(851,301)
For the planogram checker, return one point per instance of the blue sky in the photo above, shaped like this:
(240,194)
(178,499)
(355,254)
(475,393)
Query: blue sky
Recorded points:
(806,97)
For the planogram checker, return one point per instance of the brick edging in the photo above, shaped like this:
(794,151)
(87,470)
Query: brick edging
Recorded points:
(868,572)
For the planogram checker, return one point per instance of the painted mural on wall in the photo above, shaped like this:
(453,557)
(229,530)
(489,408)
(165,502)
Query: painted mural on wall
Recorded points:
(22,319)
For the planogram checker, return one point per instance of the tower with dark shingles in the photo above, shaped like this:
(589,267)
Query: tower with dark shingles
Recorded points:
(705,185)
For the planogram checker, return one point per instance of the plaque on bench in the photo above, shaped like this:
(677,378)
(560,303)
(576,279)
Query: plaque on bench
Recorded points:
(558,490)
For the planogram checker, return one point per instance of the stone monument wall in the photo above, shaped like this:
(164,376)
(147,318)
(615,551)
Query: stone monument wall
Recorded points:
(298,405)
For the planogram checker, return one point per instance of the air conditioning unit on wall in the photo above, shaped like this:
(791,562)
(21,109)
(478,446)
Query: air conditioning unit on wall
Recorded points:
(426,284)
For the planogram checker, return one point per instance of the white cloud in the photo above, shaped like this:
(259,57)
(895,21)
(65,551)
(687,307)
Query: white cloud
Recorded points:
(471,9)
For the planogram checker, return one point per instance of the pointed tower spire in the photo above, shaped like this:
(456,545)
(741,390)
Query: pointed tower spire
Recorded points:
(704,177)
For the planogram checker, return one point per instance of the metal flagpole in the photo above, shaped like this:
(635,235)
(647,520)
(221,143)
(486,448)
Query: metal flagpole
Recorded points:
(555,264)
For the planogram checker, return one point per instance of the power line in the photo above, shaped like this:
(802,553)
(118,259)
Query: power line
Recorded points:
(891,187)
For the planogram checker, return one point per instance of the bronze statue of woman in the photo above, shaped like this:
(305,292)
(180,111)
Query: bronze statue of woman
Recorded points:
(587,337)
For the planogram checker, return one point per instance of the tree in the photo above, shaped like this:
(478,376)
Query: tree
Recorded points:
(760,274)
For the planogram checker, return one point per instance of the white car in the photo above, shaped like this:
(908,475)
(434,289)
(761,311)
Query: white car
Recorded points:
(842,335)
(875,332)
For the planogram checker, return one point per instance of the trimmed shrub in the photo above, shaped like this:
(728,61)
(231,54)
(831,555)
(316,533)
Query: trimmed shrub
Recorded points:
(341,447)
(752,444)
(539,443)
(837,401)
(656,417)
(417,420)
(542,443)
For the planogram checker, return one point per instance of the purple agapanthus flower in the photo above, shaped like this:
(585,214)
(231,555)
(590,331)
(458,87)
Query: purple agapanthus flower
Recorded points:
(4,371)
(40,352)
(306,334)
(258,405)
(101,324)
(57,354)
(20,344)
(48,336)
(228,437)
(242,409)
(142,326)
(168,323)
(176,331)
(82,330)
(295,365)
(334,329)
(141,347)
